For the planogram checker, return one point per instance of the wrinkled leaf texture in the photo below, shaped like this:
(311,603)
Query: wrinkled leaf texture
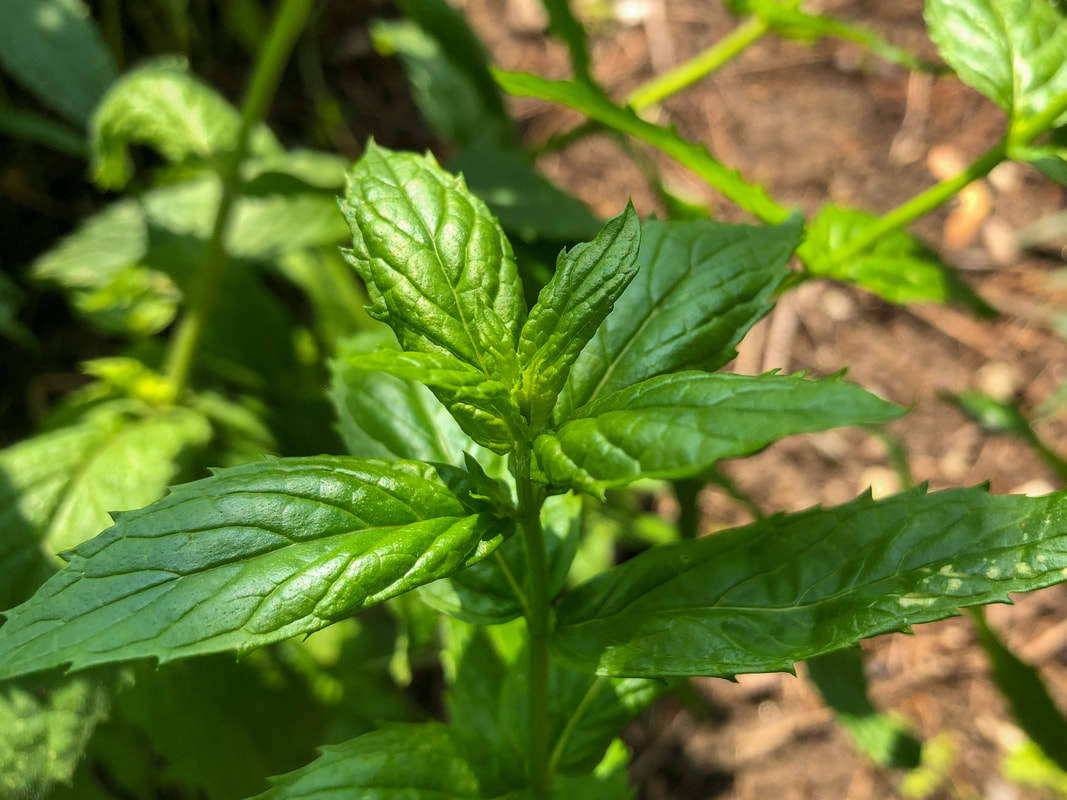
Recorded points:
(791,587)
(252,555)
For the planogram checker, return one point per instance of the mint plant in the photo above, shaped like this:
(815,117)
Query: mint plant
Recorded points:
(468,445)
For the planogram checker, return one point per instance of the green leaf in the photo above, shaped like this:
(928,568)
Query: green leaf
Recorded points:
(42,129)
(45,724)
(482,407)
(438,267)
(493,590)
(524,201)
(593,103)
(447,98)
(382,416)
(587,282)
(54,49)
(674,426)
(701,286)
(253,555)
(1012,51)
(898,268)
(791,587)
(397,762)
(884,739)
(1025,692)
(10,327)
(57,489)
(162,105)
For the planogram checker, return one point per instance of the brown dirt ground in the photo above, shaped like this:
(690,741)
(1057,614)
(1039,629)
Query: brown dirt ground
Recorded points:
(830,122)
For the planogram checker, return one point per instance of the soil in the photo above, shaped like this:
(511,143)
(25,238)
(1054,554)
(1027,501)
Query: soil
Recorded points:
(821,123)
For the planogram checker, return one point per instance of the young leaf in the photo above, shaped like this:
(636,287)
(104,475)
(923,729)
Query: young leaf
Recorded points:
(253,555)
(417,426)
(701,286)
(55,50)
(899,268)
(794,586)
(438,267)
(162,105)
(1025,692)
(587,282)
(677,425)
(884,739)
(592,102)
(493,590)
(1012,51)
(45,724)
(57,488)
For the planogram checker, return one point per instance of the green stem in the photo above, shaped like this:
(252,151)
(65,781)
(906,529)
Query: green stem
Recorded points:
(698,67)
(1022,133)
(575,718)
(531,498)
(272,59)
(687,493)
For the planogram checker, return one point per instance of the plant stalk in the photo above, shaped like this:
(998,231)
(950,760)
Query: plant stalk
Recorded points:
(1020,134)
(538,611)
(272,59)
(699,66)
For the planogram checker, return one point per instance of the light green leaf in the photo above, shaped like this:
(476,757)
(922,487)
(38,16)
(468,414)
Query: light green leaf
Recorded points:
(791,587)
(898,268)
(482,407)
(436,263)
(677,425)
(493,590)
(884,739)
(701,286)
(253,555)
(397,762)
(162,105)
(1012,51)
(591,102)
(57,489)
(587,282)
(524,201)
(45,725)
(1025,691)
(54,49)
(382,416)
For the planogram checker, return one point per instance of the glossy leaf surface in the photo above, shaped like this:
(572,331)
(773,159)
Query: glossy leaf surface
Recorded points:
(701,286)
(899,268)
(1012,51)
(438,267)
(55,50)
(677,425)
(582,292)
(253,555)
(162,105)
(791,587)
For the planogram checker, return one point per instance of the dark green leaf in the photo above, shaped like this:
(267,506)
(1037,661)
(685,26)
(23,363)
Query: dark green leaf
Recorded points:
(45,724)
(42,129)
(10,300)
(493,590)
(1012,51)
(791,587)
(437,265)
(162,105)
(898,268)
(55,50)
(701,286)
(524,201)
(587,282)
(1025,692)
(590,101)
(57,488)
(677,425)
(250,556)
(882,738)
